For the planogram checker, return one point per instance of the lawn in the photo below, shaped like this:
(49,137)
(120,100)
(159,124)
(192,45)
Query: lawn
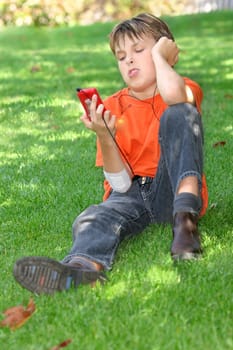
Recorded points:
(47,176)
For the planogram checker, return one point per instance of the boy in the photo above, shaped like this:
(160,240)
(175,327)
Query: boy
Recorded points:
(149,143)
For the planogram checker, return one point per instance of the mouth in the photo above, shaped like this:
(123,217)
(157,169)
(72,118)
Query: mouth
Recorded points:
(133,72)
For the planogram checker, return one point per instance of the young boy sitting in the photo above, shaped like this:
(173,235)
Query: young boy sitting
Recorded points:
(150,145)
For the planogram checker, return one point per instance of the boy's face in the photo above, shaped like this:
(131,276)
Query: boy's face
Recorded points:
(136,65)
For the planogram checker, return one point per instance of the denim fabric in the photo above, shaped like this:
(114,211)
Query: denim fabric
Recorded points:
(98,230)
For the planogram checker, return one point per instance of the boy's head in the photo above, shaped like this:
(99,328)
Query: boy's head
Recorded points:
(144,24)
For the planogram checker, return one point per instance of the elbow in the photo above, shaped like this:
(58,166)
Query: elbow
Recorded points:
(175,97)
(120,182)
(175,93)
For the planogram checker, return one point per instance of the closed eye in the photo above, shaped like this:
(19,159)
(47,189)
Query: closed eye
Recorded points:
(139,50)
(121,57)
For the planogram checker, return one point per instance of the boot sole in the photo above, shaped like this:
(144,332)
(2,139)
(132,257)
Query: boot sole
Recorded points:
(186,256)
(44,275)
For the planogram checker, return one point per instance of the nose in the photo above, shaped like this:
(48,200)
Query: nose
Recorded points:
(129,60)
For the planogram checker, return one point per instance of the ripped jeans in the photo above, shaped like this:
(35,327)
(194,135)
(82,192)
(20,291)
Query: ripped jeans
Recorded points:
(98,230)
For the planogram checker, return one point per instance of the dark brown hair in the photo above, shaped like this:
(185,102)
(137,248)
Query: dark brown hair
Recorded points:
(136,27)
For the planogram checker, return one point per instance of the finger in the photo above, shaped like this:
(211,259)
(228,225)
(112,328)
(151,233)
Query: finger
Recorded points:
(93,104)
(86,121)
(112,124)
(83,117)
(88,102)
(107,116)
(175,59)
(100,109)
(110,120)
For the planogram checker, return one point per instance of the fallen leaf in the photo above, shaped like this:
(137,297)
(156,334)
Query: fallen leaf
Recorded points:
(228,96)
(55,127)
(16,316)
(35,68)
(62,345)
(219,143)
(70,70)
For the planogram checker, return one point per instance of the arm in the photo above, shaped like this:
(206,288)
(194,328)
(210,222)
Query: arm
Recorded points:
(170,84)
(115,170)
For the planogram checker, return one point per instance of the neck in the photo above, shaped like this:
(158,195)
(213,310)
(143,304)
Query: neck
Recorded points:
(144,94)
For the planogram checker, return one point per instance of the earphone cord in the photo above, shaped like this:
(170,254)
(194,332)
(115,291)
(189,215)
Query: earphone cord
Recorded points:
(119,148)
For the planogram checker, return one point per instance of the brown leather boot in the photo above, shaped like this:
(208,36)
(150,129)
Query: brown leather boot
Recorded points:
(84,263)
(186,243)
(88,264)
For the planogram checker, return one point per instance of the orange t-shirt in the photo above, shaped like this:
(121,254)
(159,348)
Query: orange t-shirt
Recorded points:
(137,125)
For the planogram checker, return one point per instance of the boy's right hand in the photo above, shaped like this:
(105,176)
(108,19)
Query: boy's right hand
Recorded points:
(97,121)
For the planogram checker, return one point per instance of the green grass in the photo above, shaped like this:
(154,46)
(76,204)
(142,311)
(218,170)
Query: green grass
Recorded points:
(47,176)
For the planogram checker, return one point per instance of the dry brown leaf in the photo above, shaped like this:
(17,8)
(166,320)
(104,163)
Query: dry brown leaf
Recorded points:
(228,96)
(70,70)
(16,316)
(55,127)
(219,143)
(62,345)
(35,68)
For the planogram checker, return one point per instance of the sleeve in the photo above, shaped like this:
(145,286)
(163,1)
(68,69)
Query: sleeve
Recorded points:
(197,92)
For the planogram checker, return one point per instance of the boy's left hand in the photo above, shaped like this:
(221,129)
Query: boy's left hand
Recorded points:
(167,49)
